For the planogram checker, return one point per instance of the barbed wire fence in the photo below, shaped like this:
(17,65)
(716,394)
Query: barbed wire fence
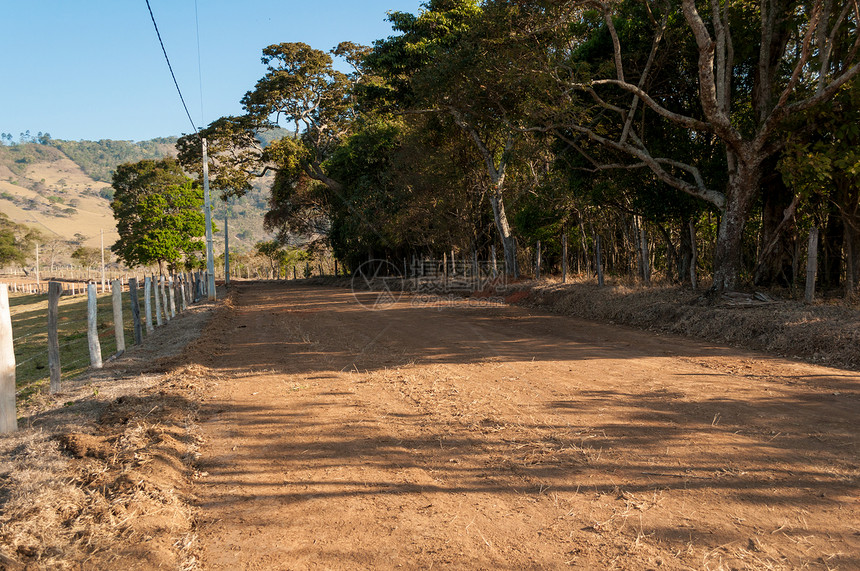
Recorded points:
(54,331)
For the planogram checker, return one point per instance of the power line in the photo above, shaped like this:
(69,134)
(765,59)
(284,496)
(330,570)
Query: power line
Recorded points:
(170,67)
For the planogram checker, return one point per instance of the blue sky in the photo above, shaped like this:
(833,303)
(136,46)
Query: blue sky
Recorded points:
(87,69)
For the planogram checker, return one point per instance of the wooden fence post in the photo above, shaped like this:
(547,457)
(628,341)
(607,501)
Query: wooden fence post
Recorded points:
(180,291)
(644,252)
(171,290)
(189,293)
(147,303)
(564,257)
(135,311)
(55,290)
(695,254)
(158,319)
(177,293)
(599,262)
(92,327)
(118,329)
(8,413)
(185,295)
(165,301)
(811,264)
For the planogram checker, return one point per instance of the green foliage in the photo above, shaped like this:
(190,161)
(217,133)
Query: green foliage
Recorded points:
(469,102)
(87,256)
(280,258)
(19,156)
(158,212)
(99,158)
(16,242)
(824,147)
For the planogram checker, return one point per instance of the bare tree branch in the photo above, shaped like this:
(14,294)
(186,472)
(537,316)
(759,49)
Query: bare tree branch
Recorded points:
(677,118)
(714,197)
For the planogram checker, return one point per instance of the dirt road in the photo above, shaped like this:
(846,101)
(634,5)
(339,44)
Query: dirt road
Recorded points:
(497,437)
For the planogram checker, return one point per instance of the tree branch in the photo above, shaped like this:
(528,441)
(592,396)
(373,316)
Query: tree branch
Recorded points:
(716,198)
(677,118)
(719,120)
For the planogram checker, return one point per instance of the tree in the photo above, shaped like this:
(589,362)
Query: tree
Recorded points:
(822,163)
(273,253)
(159,213)
(16,241)
(793,56)
(87,256)
(443,61)
(52,249)
(301,88)
(278,257)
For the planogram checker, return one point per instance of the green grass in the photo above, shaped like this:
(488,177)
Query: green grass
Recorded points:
(30,334)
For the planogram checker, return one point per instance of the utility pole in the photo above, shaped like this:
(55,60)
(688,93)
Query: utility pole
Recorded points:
(226,251)
(38,281)
(210,258)
(103,260)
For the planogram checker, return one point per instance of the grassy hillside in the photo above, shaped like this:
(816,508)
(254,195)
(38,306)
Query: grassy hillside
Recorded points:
(62,188)
(99,159)
(41,187)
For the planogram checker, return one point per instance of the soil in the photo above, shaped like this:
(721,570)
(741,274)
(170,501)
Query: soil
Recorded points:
(97,474)
(360,432)
(299,427)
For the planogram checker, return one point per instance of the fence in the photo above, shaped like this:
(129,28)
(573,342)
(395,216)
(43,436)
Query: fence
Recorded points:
(61,330)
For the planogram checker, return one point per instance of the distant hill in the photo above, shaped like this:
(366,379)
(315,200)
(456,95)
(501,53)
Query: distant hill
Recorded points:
(99,159)
(62,188)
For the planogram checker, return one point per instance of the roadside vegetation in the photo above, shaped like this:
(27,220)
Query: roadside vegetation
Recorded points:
(661,132)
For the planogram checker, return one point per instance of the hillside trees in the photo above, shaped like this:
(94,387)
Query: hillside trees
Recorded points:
(16,241)
(158,212)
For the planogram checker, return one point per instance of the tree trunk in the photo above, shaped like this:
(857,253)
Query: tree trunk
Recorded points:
(644,251)
(831,238)
(508,241)
(742,187)
(671,254)
(850,262)
(774,264)
(850,211)
(811,264)
(685,254)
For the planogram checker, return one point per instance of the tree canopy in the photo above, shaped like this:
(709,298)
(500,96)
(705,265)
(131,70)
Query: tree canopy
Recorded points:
(478,124)
(159,214)
(17,242)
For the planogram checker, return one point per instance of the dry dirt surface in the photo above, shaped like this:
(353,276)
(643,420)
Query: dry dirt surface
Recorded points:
(469,435)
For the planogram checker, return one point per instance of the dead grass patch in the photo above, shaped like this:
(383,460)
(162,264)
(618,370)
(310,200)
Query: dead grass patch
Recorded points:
(825,334)
(99,474)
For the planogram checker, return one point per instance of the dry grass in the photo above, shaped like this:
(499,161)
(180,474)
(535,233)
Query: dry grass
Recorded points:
(66,179)
(821,333)
(96,477)
(824,332)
